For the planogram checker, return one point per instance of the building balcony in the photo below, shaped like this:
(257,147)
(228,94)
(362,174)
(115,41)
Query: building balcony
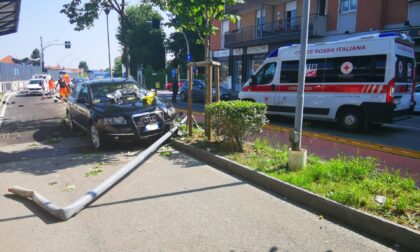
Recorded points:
(280,31)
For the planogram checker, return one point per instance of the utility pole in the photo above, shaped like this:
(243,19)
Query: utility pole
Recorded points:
(297,156)
(107,10)
(42,57)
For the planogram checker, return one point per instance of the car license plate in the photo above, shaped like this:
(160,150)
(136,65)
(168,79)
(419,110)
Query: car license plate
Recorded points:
(151,127)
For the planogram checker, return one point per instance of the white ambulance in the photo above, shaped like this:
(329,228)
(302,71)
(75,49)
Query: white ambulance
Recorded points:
(357,82)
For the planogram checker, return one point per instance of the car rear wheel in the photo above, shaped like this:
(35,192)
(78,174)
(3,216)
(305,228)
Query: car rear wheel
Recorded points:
(183,96)
(95,137)
(350,119)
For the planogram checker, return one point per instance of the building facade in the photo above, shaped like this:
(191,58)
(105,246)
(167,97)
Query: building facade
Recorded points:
(265,25)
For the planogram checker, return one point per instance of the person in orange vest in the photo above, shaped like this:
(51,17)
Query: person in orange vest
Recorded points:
(67,80)
(64,91)
(51,87)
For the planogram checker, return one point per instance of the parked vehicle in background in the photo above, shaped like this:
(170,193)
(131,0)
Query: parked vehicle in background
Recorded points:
(168,86)
(118,109)
(417,99)
(35,86)
(78,80)
(356,82)
(98,75)
(199,92)
(45,77)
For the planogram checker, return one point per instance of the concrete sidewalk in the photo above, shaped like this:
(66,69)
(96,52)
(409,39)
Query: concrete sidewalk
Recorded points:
(175,203)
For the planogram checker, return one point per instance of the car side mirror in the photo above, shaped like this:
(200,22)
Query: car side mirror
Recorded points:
(253,80)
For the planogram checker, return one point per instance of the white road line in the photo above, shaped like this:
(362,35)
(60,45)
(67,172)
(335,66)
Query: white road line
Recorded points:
(3,111)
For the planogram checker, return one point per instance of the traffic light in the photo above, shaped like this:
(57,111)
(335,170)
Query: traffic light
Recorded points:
(67,44)
(155,23)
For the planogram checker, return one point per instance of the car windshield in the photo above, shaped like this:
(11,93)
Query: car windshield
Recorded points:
(119,93)
(34,81)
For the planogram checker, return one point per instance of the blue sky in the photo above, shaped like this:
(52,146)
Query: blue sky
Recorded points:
(43,18)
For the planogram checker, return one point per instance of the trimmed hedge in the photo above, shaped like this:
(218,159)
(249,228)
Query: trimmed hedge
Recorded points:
(236,120)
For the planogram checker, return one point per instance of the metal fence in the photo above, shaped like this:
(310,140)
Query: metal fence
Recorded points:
(17,72)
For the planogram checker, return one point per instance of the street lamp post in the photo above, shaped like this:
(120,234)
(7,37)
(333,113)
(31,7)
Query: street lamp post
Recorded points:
(297,155)
(43,48)
(107,10)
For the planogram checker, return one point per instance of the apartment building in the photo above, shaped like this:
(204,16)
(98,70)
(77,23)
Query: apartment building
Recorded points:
(265,25)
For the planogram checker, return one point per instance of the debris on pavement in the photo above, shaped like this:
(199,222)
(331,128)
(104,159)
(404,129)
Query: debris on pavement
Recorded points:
(95,170)
(69,188)
(380,199)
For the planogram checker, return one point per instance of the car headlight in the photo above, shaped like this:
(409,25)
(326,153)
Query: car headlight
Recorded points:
(171,111)
(114,120)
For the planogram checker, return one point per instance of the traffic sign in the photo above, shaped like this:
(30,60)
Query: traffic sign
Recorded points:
(188,57)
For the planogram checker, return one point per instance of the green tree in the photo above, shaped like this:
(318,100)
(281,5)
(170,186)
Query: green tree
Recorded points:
(117,68)
(146,43)
(176,45)
(83,65)
(35,54)
(196,16)
(35,57)
(83,16)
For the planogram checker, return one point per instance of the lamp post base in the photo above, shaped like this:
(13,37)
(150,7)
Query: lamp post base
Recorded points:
(297,159)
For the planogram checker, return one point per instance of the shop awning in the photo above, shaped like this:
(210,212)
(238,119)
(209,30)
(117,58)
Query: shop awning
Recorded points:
(9,16)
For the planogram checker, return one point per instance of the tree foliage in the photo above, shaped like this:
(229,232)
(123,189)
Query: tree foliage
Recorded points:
(146,43)
(176,45)
(84,14)
(35,54)
(35,57)
(83,65)
(196,15)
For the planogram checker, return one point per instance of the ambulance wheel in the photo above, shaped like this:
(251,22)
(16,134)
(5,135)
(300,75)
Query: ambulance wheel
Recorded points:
(350,119)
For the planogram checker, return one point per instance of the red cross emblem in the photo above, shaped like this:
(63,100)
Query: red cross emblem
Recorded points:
(346,67)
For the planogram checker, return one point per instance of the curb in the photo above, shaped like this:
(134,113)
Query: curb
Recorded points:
(385,230)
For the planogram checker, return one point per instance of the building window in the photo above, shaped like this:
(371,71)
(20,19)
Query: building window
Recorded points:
(291,15)
(225,28)
(260,20)
(322,7)
(348,6)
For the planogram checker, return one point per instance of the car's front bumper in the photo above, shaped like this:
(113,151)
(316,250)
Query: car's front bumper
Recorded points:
(134,130)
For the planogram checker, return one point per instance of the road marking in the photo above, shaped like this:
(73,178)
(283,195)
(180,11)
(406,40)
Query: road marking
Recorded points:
(3,110)
(343,140)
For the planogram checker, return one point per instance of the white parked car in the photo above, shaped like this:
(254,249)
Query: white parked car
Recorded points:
(417,99)
(35,86)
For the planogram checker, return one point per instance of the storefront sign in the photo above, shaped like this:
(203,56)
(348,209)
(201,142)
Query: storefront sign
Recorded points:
(257,49)
(221,53)
(238,52)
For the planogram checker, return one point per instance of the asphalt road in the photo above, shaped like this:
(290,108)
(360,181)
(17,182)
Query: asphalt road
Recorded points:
(170,203)
(403,134)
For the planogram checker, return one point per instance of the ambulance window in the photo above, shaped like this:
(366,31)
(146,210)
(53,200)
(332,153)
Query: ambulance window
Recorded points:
(315,70)
(355,69)
(289,71)
(266,74)
(404,69)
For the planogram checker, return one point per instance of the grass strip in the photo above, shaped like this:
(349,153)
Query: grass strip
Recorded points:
(352,181)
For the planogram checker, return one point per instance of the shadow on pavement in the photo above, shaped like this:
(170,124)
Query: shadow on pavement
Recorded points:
(169,194)
(36,210)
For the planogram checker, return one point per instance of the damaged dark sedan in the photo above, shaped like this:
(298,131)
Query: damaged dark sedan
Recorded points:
(118,109)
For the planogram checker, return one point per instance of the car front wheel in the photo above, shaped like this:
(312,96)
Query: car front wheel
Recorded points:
(95,137)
